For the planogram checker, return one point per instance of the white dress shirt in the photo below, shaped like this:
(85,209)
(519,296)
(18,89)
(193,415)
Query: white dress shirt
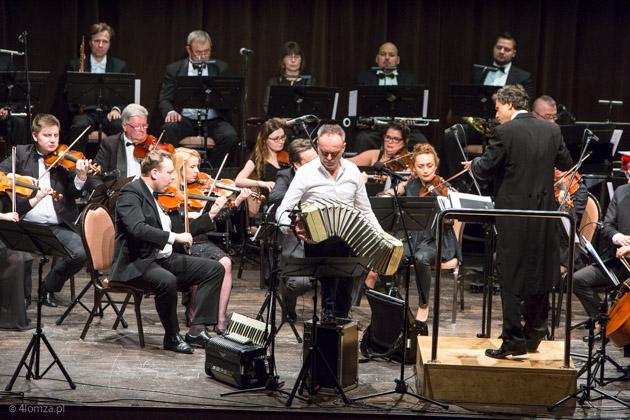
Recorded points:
(166,225)
(497,78)
(97,67)
(387,81)
(133,164)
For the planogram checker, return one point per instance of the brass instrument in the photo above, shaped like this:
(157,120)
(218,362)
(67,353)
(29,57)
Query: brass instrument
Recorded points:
(383,121)
(483,126)
(82,64)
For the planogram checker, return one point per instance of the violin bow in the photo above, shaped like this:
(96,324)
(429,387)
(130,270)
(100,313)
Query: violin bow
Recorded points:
(14,179)
(158,141)
(186,222)
(570,171)
(395,158)
(445,181)
(216,178)
(63,153)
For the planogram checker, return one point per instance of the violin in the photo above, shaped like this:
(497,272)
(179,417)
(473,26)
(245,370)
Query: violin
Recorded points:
(24,187)
(401,161)
(562,184)
(149,144)
(283,157)
(68,159)
(202,183)
(383,177)
(437,186)
(173,198)
(223,187)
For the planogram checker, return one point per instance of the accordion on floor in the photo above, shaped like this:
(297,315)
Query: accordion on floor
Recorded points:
(239,357)
(325,218)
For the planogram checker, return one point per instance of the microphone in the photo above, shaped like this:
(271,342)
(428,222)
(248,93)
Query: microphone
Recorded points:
(564,110)
(296,121)
(10,52)
(246,51)
(451,128)
(380,167)
(486,68)
(22,37)
(591,135)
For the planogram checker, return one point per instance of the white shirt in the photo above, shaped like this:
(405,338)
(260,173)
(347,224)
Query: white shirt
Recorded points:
(166,225)
(312,181)
(133,164)
(190,112)
(44,211)
(97,67)
(387,81)
(497,78)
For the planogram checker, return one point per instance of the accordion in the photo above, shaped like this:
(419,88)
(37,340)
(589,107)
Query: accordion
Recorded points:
(239,357)
(325,218)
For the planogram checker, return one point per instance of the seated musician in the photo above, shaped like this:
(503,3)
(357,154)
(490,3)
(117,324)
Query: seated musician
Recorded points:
(179,125)
(425,162)
(100,37)
(59,215)
(149,253)
(116,152)
(332,177)
(366,137)
(188,159)
(13,129)
(393,151)
(300,153)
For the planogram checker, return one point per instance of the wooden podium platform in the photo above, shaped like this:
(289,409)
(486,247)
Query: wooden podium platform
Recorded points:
(464,373)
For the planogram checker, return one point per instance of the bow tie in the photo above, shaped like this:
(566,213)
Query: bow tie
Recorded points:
(383,75)
(155,195)
(501,69)
(128,143)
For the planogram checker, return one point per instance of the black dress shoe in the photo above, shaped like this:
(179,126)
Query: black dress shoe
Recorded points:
(219,331)
(532,345)
(198,340)
(177,344)
(49,300)
(423,328)
(502,353)
(598,337)
(328,318)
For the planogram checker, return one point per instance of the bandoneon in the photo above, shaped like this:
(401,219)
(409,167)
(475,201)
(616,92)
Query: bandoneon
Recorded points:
(239,357)
(325,218)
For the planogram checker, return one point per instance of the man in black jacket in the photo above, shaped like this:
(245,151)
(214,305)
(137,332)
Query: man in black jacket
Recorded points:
(183,123)
(98,61)
(149,254)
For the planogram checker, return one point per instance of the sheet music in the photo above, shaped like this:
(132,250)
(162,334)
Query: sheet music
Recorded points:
(352,103)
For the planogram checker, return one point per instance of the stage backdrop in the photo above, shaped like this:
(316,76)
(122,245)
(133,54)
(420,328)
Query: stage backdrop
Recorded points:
(576,50)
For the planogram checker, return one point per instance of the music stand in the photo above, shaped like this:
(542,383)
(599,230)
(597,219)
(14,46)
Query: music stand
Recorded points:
(315,268)
(390,101)
(40,240)
(474,101)
(295,101)
(208,92)
(13,87)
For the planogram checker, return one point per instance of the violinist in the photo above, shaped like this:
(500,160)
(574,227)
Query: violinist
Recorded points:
(425,164)
(98,61)
(188,160)
(117,151)
(393,151)
(266,160)
(59,215)
(149,253)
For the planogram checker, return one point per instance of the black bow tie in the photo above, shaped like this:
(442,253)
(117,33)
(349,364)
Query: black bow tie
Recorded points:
(127,144)
(383,75)
(501,69)
(155,195)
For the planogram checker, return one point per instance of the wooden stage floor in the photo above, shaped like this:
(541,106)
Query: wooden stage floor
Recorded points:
(112,373)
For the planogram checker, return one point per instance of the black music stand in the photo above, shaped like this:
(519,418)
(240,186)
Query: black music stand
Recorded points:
(14,91)
(315,268)
(100,89)
(390,101)
(295,101)
(204,93)
(40,240)
(474,101)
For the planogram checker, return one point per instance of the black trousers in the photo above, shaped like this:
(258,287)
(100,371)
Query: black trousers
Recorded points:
(179,272)
(534,310)
(90,119)
(224,135)
(586,280)
(67,267)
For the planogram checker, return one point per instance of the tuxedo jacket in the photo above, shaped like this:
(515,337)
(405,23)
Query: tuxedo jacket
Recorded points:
(61,180)
(113,65)
(516,76)
(180,68)
(111,155)
(139,232)
(370,78)
(617,219)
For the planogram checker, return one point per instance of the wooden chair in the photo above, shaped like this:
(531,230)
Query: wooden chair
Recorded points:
(97,233)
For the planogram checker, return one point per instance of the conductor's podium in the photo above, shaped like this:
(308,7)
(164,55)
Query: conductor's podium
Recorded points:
(463,373)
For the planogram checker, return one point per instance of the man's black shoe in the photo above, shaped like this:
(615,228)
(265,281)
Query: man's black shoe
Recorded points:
(49,300)
(502,353)
(328,318)
(177,344)
(598,337)
(532,345)
(198,340)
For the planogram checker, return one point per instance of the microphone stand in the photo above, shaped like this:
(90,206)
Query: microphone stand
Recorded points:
(243,144)
(22,39)
(465,155)
(589,138)
(401,385)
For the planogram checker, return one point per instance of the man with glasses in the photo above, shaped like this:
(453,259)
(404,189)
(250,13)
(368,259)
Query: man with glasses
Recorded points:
(183,124)
(329,176)
(101,35)
(387,58)
(502,72)
(116,152)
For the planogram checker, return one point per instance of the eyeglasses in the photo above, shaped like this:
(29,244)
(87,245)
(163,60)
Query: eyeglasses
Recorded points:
(394,139)
(277,139)
(138,127)
(547,117)
(293,57)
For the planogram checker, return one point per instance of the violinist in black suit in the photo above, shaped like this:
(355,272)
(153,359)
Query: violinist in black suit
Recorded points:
(116,152)
(501,73)
(520,161)
(365,137)
(149,254)
(98,61)
(59,215)
(179,125)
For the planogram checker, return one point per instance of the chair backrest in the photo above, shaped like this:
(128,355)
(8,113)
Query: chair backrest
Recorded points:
(592,214)
(97,234)
(458,227)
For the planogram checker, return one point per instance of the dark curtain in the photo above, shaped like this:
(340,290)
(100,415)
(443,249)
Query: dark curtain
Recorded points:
(577,50)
